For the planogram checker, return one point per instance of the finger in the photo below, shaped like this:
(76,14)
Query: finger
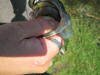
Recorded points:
(42,49)
(35,47)
(51,50)
(37,27)
(20,65)
(29,47)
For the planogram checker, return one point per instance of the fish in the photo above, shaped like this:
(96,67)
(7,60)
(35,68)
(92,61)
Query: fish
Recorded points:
(56,10)
(53,9)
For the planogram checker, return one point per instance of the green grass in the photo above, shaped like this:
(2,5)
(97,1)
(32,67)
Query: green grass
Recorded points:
(83,50)
(82,55)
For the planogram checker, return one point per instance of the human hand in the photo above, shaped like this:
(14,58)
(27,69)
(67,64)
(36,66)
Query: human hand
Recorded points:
(22,51)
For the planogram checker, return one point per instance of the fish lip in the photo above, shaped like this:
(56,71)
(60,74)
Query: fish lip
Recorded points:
(55,14)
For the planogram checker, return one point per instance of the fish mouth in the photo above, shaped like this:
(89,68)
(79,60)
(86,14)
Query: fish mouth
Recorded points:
(46,9)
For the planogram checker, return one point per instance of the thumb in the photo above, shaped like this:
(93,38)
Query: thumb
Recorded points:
(37,27)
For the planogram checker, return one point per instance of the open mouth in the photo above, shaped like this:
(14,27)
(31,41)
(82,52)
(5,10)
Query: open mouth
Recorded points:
(46,9)
(53,9)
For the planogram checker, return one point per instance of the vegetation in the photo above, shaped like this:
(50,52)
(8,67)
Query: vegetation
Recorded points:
(82,50)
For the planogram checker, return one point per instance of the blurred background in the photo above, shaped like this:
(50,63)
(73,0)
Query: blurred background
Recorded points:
(82,55)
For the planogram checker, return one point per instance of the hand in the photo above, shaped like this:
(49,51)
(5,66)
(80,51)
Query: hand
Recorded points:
(22,52)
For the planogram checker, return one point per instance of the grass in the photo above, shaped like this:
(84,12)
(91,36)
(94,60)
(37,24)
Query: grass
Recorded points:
(83,49)
(82,56)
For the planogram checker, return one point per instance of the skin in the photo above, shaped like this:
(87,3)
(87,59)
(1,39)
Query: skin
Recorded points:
(38,61)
